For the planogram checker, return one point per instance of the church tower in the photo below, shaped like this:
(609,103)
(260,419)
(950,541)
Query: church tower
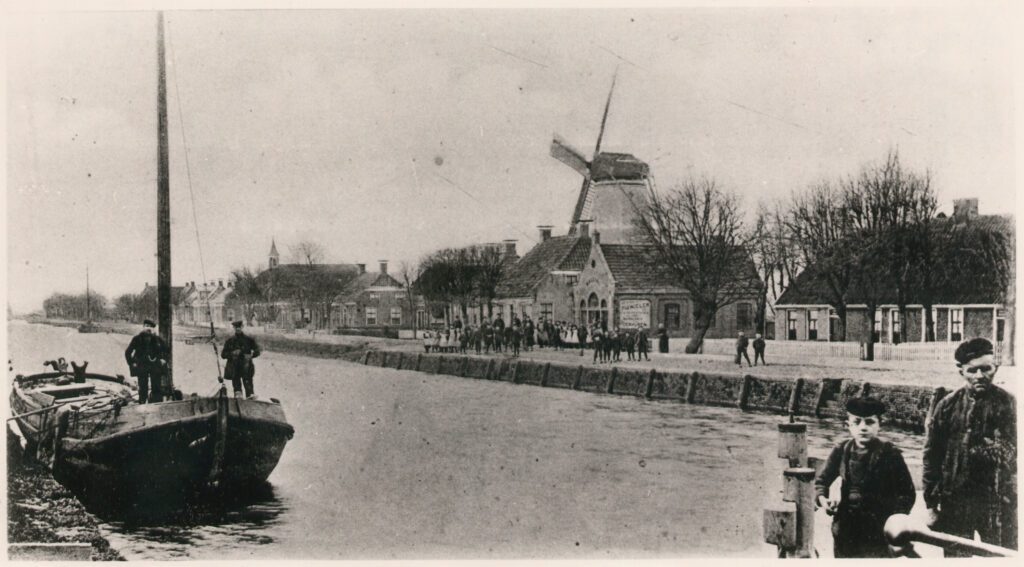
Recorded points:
(275,258)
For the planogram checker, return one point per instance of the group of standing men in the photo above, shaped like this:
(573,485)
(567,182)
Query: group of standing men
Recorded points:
(148,357)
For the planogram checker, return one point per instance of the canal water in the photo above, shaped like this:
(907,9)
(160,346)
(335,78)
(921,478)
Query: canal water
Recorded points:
(390,464)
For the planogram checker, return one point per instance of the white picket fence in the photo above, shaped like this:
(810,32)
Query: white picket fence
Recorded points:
(849,350)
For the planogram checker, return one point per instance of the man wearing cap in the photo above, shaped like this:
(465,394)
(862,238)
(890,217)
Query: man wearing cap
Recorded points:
(147,359)
(876,484)
(239,351)
(970,454)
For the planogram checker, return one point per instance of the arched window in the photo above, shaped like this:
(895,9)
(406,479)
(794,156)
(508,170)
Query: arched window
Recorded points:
(592,301)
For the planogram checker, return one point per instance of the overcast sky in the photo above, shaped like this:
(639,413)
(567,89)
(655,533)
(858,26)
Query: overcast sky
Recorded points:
(385,135)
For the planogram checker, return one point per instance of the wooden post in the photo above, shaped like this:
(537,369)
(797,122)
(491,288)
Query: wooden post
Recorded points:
(611,379)
(544,377)
(465,366)
(691,387)
(821,397)
(515,372)
(489,369)
(650,384)
(744,392)
(383,358)
(401,360)
(800,490)
(440,365)
(794,396)
(793,443)
(419,358)
(366,357)
(579,378)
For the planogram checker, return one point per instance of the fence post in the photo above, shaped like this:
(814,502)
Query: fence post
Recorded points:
(440,365)
(544,377)
(650,384)
(366,357)
(401,360)
(794,396)
(419,358)
(691,387)
(745,392)
(611,379)
(383,358)
(464,366)
(800,490)
(821,397)
(487,371)
(579,377)
(515,372)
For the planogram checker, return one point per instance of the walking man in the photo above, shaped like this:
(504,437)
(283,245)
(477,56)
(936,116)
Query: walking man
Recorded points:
(641,344)
(239,351)
(970,455)
(147,356)
(741,350)
(759,349)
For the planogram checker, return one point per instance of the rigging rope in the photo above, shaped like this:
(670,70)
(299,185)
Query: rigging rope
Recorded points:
(192,200)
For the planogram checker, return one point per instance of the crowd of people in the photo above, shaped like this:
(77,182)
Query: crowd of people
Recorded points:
(496,336)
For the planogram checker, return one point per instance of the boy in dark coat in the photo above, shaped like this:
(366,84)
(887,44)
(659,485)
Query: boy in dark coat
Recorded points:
(876,484)
(630,341)
(641,344)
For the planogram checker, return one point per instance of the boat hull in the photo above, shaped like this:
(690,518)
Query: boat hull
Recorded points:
(158,454)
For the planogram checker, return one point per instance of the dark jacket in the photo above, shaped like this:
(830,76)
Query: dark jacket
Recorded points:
(741,343)
(758,345)
(238,364)
(145,351)
(888,487)
(960,453)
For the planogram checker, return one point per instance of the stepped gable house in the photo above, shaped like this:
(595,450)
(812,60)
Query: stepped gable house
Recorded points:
(622,286)
(540,284)
(803,312)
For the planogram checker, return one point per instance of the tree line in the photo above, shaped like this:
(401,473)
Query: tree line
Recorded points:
(872,238)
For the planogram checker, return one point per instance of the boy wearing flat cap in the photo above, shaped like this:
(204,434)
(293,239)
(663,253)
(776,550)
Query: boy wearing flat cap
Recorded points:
(239,351)
(876,484)
(970,455)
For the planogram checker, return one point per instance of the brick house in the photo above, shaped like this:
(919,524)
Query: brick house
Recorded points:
(803,312)
(620,286)
(376,300)
(540,284)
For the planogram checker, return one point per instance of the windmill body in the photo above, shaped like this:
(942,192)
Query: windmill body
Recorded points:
(615,186)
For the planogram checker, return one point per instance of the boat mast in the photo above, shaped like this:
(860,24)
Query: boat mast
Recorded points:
(163,213)
(88,299)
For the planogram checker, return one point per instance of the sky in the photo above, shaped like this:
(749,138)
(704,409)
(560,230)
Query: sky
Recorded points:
(390,134)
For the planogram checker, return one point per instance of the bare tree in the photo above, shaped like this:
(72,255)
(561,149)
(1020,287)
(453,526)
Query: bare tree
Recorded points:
(775,257)
(491,266)
(410,275)
(696,234)
(308,253)
(249,291)
(818,227)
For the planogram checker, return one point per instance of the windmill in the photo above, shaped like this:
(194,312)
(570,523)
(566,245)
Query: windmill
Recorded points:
(614,185)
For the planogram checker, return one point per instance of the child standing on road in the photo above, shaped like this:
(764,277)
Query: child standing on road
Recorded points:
(876,484)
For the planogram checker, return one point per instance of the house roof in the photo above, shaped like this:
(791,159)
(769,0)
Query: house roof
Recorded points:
(810,287)
(635,267)
(556,253)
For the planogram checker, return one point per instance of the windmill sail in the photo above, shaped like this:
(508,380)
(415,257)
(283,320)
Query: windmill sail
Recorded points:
(570,156)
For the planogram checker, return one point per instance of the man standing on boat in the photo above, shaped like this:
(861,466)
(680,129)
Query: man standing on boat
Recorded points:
(147,361)
(239,351)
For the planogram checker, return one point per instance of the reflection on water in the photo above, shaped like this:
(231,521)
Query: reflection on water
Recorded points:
(389,464)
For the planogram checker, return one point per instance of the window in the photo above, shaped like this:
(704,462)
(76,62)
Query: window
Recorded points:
(894,318)
(371,316)
(421,318)
(876,329)
(956,324)
(812,325)
(672,318)
(546,310)
(396,316)
(791,327)
(572,279)
(374,296)
(743,316)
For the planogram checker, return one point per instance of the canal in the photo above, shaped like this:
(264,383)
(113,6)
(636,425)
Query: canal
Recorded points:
(390,464)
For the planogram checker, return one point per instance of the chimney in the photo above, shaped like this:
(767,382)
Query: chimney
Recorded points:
(510,247)
(229,284)
(965,208)
(220,284)
(545,232)
(362,268)
(597,237)
(383,266)
(584,229)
